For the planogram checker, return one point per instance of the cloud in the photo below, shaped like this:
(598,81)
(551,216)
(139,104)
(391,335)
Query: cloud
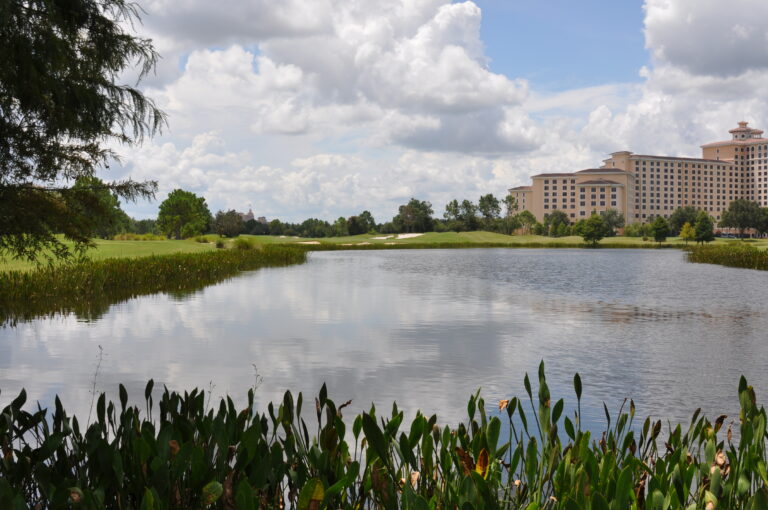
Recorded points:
(325,108)
(708,37)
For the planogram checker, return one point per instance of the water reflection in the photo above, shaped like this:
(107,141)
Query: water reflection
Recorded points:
(426,328)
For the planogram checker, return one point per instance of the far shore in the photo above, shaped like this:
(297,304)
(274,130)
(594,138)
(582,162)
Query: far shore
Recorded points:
(105,249)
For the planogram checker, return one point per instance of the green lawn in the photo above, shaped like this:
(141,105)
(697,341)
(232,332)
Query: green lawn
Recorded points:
(110,249)
(130,249)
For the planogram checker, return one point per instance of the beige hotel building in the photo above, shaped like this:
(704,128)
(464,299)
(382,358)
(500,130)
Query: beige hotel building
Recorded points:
(642,187)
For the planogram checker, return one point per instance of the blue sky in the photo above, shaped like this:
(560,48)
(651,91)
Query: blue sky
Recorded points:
(325,108)
(564,44)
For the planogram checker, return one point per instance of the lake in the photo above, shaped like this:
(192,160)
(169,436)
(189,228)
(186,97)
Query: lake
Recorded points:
(426,328)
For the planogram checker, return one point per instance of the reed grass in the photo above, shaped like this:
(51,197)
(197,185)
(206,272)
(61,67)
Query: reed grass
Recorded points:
(180,454)
(89,288)
(735,254)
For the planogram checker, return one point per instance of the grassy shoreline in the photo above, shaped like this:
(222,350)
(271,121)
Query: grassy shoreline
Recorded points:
(89,288)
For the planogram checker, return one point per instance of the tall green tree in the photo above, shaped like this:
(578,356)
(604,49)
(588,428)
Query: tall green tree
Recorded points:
(687,233)
(489,207)
(680,217)
(614,220)
(367,218)
(593,229)
(61,111)
(552,222)
(510,204)
(415,216)
(704,228)
(527,220)
(660,229)
(228,224)
(741,215)
(356,226)
(183,214)
(99,207)
(468,215)
(452,210)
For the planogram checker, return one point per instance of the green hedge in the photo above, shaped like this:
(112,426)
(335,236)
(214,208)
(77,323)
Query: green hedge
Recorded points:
(179,454)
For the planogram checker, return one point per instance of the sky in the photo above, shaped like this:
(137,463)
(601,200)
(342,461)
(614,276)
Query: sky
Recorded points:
(326,108)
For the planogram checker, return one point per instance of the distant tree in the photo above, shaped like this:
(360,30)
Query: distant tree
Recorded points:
(313,227)
(340,227)
(577,229)
(256,228)
(98,208)
(741,215)
(356,226)
(62,109)
(538,229)
(452,210)
(276,228)
(527,220)
(637,230)
(228,224)
(415,216)
(593,229)
(468,215)
(680,217)
(146,226)
(553,220)
(489,207)
(704,228)
(687,232)
(614,220)
(183,214)
(660,229)
(510,204)
(367,218)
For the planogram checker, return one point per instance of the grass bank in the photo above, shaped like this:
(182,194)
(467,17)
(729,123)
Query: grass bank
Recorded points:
(89,288)
(108,249)
(733,254)
(179,454)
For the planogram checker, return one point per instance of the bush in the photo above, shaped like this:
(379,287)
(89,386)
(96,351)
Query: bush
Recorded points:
(241,243)
(219,243)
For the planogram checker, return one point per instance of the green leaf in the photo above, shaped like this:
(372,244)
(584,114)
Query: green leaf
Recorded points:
(312,491)
(244,497)
(212,492)
(375,438)
(577,385)
(557,410)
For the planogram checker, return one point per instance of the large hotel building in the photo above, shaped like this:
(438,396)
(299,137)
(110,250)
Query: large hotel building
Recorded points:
(642,187)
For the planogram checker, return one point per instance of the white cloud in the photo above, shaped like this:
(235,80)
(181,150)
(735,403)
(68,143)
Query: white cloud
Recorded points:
(324,108)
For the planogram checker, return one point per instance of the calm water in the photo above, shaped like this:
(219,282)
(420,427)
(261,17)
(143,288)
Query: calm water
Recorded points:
(426,328)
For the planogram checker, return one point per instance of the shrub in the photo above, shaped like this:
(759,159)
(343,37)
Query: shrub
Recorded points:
(241,243)
(219,243)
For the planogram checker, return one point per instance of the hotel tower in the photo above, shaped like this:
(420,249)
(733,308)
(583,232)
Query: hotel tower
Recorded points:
(642,187)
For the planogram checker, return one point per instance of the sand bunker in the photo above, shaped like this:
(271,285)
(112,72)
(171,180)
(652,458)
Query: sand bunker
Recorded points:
(408,236)
(382,237)
(308,242)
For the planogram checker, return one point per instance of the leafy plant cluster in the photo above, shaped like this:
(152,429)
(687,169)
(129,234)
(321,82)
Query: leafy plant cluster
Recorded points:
(88,288)
(733,254)
(182,454)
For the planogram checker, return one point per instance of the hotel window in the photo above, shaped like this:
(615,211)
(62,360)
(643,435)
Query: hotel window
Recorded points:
(613,203)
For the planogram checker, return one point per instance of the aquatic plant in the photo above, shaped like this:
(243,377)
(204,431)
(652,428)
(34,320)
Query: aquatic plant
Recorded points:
(178,453)
(735,254)
(89,288)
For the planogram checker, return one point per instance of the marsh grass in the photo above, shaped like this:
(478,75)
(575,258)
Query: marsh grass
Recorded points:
(734,254)
(89,288)
(181,454)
